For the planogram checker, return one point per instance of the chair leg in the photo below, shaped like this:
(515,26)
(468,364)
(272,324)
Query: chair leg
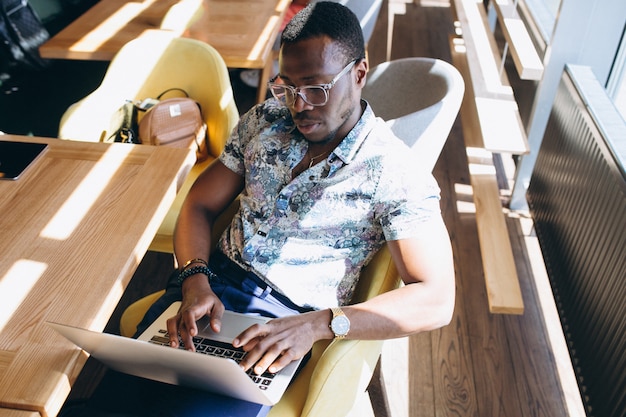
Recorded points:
(377,393)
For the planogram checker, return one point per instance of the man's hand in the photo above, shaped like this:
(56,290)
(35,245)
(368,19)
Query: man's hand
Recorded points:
(198,301)
(275,344)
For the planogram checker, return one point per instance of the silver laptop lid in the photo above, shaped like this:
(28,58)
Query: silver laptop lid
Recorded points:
(180,367)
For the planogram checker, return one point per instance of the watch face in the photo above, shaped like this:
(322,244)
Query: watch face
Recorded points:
(340,325)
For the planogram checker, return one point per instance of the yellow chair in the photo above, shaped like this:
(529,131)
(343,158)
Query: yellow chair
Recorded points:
(334,381)
(143,68)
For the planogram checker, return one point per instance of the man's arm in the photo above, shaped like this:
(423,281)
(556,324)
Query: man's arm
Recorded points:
(426,302)
(211,194)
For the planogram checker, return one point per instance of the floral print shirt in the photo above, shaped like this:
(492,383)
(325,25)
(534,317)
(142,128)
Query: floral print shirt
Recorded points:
(309,237)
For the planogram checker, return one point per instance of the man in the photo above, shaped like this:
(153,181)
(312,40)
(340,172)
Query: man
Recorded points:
(322,185)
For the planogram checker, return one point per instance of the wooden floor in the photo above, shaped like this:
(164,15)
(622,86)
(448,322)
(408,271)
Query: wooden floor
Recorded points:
(480,365)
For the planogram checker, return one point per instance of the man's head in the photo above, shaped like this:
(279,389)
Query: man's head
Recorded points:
(328,19)
(323,46)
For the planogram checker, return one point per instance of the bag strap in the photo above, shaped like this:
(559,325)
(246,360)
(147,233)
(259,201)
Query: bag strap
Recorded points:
(167,91)
(172,89)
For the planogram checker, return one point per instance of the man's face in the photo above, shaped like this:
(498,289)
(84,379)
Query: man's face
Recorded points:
(317,61)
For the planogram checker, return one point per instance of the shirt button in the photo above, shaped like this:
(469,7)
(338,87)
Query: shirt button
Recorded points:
(248,254)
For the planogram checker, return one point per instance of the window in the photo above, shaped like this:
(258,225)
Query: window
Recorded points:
(616,86)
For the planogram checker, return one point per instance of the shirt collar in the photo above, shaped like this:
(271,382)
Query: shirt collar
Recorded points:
(349,146)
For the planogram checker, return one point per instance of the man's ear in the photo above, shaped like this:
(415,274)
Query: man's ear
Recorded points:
(361,71)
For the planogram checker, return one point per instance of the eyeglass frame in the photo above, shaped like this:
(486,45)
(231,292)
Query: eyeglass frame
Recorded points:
(296,91)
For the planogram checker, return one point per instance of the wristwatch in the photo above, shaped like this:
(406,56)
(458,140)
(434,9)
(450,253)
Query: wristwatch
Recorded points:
(339,324)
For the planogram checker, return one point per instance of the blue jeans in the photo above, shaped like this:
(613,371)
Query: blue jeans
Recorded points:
(121,395)
(239,290)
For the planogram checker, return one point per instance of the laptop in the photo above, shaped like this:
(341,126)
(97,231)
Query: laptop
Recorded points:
(213,367)
(15,157)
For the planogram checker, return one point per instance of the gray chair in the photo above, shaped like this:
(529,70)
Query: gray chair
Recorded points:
(420,99)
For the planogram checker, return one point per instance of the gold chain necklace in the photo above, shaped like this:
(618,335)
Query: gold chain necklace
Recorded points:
(313,158)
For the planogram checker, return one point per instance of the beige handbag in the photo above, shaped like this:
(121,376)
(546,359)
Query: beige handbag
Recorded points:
(175,122)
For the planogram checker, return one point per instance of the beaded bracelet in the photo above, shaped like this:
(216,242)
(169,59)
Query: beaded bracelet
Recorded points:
(200,269)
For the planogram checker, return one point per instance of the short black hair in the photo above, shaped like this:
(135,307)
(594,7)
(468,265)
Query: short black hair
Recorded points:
(327,18)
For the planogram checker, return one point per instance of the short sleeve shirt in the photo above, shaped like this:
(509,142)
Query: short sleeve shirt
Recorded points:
(308,237)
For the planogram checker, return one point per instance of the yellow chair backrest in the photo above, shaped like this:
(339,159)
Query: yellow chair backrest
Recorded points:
(144,68)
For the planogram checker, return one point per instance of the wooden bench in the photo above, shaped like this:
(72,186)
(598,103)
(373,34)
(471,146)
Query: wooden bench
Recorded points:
(498,114)
(528,64)
(491,123)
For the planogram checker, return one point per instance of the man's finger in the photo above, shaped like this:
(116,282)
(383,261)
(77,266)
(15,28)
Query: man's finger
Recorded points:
(188,329)
(172,330)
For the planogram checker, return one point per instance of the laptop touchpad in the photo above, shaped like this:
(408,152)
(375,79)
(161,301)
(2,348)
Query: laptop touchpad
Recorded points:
(232,325)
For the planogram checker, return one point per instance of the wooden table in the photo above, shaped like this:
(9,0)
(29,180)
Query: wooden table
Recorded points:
(242,31)
(73,229)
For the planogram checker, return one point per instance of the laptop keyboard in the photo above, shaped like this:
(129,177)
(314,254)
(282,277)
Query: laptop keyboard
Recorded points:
(219,349)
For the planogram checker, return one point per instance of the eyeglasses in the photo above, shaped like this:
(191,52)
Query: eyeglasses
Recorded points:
(314,95)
